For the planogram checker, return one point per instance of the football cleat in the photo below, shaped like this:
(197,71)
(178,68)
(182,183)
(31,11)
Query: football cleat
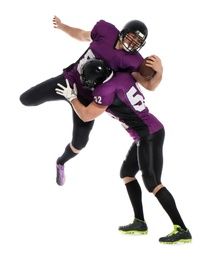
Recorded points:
(136,227)
(178,235)
(60,175)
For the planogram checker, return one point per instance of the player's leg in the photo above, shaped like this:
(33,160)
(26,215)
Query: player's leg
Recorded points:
(81,132)
(151,163)
(150,159)
(43,92)
(128,171)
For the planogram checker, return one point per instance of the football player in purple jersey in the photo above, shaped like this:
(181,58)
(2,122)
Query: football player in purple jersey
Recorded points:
(120,49)
(122,98)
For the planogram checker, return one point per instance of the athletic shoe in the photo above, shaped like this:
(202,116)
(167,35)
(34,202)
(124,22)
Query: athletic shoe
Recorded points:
(178,235)
(60,175)
(136,227)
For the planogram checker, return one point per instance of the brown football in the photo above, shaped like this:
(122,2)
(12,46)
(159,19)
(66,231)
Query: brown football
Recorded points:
(146,71)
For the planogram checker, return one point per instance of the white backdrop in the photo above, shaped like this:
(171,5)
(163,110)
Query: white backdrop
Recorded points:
(40,220)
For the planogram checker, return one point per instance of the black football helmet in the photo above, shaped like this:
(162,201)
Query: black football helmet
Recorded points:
(95,72)
(138,40)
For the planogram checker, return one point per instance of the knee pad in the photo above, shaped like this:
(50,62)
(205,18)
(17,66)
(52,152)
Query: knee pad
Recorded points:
(149,182)
(80,144)
(123,172)
(127,171)
(27,100)
(23,100)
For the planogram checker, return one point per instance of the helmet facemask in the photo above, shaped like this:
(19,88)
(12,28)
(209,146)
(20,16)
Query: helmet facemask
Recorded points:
(133,42)
(133,36)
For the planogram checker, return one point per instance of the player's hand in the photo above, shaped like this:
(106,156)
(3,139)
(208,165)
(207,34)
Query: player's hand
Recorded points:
(155,63)
(68,92)
(56,22)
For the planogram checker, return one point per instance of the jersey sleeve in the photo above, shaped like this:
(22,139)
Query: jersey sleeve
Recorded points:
(104,94)
(102,28)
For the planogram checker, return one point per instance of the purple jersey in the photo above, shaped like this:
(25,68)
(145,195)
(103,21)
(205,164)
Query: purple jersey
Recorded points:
(126,103)
(104,37)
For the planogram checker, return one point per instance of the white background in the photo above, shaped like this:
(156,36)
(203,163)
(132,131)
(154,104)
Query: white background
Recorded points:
(40,220)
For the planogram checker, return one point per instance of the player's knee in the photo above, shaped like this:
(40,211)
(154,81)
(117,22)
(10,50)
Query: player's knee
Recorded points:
(74,149)
(80,144)
(149,183)
(24,99)
(125,171)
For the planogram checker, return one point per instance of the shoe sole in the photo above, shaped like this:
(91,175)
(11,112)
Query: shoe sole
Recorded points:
(135,232)
(179,241)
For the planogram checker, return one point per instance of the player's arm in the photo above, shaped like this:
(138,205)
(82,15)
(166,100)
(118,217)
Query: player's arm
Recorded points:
(151,84)
(75,33)
(92,111)
(88,113)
